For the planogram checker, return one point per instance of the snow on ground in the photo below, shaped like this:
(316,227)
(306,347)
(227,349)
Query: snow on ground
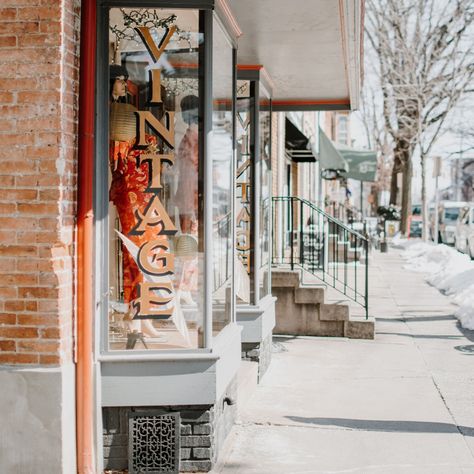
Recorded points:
(446,269)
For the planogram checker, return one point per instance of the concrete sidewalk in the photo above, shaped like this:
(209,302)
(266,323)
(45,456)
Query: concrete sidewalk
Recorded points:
(403,403)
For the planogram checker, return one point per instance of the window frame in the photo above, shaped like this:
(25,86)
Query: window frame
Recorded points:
(259,89)
(99,280)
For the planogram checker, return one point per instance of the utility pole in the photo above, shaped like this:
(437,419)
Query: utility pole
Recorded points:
(436,175)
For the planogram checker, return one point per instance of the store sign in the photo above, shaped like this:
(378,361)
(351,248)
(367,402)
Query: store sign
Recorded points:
(243,217)
(155,296)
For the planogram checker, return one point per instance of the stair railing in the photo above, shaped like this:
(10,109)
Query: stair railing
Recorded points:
(307,237)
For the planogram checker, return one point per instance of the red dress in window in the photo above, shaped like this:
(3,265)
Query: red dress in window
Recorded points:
(127,192)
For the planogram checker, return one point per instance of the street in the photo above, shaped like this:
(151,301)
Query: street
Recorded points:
(400,404)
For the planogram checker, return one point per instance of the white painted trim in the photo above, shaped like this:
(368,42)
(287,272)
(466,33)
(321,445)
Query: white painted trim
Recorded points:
(144,357)
(172,381)
(262,305)
(351,14)
(257,321)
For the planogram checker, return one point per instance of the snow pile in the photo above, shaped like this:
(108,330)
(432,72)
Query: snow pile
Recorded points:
(449,271)
(400,242)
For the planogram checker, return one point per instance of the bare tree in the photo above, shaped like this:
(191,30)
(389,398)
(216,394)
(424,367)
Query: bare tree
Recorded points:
(424,66)
(378,138)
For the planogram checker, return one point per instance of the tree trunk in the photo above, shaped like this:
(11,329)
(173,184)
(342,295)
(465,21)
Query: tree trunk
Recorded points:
(394,182)
(406,192)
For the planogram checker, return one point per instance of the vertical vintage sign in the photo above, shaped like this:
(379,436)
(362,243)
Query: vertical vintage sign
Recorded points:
(155,297)
(243,217)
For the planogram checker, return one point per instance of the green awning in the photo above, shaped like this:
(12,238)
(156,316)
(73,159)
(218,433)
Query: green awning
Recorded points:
(329,156)
(362,163)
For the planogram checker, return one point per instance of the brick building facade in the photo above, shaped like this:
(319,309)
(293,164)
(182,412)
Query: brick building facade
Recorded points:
(45,419)
(39,42)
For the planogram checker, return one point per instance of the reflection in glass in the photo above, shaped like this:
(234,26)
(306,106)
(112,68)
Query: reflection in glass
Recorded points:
(222,153)
(265,197)
(155,230)
(243,205)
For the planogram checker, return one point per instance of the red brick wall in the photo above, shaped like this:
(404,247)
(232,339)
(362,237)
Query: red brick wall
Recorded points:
(38,115)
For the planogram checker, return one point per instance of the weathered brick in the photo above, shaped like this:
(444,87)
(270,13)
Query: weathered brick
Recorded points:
(39,320)
(195,441)
(50,333)
(38,346)
(8,346)
(14,305)
(196,466)
(18,250)
(202,453)
(6,98)
(38,124)
(185,430)
(8,292)
(8,41)
(7,209)
(185,453)
(7,14)
(49,359)
(17,358)
(18,332)
(202,429)
(37,292)
(7,318)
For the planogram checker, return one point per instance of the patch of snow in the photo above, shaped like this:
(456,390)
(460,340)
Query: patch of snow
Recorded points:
(446,269)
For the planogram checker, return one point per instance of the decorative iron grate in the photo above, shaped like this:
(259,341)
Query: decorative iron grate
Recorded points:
(153,442)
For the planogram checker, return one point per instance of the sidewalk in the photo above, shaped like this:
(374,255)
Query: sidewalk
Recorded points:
(403,403)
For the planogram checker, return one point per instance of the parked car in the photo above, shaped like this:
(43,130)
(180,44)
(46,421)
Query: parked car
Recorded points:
(448,213)
(415,225)
(464,236)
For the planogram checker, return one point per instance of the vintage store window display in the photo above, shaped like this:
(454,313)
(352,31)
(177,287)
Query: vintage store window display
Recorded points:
(156,257)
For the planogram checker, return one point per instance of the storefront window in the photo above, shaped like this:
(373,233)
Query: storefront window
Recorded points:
(244,193)
(265,195)
(222,177)
(156,259)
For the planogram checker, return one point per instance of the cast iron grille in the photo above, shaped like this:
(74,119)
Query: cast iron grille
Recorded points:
(153,443)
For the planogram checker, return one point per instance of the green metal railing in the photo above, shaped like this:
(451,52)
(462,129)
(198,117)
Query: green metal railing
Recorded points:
(309,238)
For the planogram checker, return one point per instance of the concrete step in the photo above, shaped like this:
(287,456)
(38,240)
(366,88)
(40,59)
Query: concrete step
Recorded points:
(309,295)
(360,328)
(306,310)
(285,278)
(334,312)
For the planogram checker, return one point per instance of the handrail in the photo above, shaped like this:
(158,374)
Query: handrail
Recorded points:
(308,237)
(328,216)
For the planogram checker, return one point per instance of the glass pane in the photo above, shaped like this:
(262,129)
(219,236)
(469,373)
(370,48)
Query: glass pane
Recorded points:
(222,177)
(243,195)
(265,197)
(155,230)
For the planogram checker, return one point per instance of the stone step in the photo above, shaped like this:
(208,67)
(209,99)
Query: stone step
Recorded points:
(360,328)
(334,312)
(285,278)
(309,295)
(302,310)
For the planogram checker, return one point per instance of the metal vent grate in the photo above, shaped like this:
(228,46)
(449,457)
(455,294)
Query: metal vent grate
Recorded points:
(153,443)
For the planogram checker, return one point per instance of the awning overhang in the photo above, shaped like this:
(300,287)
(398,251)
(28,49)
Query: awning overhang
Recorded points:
(362,163)
(311,50)
(297,144)
(332,163)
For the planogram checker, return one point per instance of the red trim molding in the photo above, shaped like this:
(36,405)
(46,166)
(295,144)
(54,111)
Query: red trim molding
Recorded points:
(224,8)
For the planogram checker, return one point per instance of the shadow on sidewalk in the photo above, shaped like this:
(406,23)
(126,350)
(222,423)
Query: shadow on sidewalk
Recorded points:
(467,333)
(387,425)
(422,336)
(419,319)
